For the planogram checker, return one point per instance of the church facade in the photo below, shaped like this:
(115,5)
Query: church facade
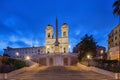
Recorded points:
(49,47)
(63,40)
(54,53)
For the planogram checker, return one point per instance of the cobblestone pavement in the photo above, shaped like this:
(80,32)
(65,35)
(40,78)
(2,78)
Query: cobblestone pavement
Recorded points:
(60,73)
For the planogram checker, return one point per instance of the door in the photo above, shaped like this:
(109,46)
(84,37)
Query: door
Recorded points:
(65,61)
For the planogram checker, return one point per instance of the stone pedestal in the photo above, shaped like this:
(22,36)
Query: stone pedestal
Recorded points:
(57,49)
(58,61)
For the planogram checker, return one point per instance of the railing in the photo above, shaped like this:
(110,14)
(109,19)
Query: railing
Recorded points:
(54,54)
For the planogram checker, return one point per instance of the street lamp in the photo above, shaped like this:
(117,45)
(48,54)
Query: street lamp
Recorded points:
(17,54)
(27,57)
(88,58)
(101,55)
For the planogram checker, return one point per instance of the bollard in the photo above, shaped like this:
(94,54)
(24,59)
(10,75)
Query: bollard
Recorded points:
(117,76)
(5,76)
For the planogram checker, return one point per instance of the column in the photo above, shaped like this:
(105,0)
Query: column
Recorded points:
(69,61)
(47,61)
(61,60)
(53,60)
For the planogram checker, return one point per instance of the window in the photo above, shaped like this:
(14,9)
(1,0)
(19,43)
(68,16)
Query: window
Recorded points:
(112,34)
(64,50)
(115,38)
(115,44)
(64,34)
(38,50)
(116,32)
(48,35)
(109,36)
(112,40)
(48,51)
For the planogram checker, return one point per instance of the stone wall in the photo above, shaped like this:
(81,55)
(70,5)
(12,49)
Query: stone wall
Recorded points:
(13,73)
(101,71)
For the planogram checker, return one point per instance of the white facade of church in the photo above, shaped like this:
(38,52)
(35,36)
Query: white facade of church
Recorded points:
(63,40)
(48,48)
(54,53)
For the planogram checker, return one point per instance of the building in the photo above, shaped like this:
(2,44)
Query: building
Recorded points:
(101,52)
(114,42)
(54,53)
(23,52)
(63,40)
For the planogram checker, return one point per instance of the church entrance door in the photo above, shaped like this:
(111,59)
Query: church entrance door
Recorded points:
(65,61)
(42,61)
(51,61)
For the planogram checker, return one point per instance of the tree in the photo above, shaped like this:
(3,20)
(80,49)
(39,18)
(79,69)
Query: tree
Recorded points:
(87,46)
(116,10)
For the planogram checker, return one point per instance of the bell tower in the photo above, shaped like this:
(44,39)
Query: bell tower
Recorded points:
(49,32)
(49,36)
(64,30)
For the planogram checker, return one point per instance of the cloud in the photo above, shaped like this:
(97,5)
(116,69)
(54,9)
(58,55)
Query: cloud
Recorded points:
(27,41)
(2,46)
(77,32)
(23,22)
(17,44)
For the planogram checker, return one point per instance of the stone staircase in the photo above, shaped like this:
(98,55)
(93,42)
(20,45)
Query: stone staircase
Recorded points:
(60,73)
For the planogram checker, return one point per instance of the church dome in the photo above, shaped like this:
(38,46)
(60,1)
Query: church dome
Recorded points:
(49,26)
(64,25)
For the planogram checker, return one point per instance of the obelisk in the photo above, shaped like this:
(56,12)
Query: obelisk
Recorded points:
(56,41)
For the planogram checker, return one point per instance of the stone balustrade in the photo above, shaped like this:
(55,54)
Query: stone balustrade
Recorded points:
(101,71)
(13,73)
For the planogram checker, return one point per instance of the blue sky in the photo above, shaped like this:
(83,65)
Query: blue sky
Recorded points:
(23,22)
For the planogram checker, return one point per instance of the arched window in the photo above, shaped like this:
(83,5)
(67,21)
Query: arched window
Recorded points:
(48,35)
(48,51)
(38,50)
(64,50)
(64,34)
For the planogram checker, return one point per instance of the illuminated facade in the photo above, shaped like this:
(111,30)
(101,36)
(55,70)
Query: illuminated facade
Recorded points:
(63,40)
(54,53)
(23,52)
(50,47)
(114,42)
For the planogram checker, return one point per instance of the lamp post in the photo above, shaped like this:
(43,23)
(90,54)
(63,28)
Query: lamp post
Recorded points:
(101,54)
(88,58)
(27,58)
